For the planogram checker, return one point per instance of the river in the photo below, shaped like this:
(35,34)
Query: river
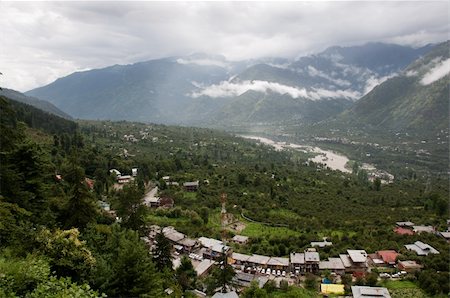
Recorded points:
(331,159)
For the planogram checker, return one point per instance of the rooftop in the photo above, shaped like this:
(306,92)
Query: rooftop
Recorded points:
(332,264)
(388,256)
(404,223)
(275,261)
(346,260)
(209,242)
(321,243)
(357,256)
(203,266)
(298,258)
(370,292)
(312,256)
(239,257)
(422,249)
(240,238)
(191,183)
(332,289)
(225,295)
(258,259)
(423,229)
(403,231)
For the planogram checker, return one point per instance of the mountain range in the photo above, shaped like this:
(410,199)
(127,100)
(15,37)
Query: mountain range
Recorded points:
(209,90)
(416,100)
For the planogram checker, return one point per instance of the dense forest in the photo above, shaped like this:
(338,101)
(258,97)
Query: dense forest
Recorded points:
(55,238)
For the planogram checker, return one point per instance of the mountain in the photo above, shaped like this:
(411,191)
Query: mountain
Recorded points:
(32,101)
(208,90)
(417,100)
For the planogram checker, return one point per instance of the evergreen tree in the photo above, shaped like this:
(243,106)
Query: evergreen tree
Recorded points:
(161,253)
(185,274)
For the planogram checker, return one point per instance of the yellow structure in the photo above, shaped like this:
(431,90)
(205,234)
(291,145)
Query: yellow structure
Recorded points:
(332,289)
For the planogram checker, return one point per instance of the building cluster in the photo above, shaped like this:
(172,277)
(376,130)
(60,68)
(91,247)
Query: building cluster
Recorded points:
(410,228)
(205,252)
(123,179)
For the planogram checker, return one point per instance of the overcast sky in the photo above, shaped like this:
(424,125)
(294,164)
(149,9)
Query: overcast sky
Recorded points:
(41,41)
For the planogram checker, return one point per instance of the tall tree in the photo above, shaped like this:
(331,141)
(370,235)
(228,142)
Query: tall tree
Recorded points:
(161,253)
(185,274)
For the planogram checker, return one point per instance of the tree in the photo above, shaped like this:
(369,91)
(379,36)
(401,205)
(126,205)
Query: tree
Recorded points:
(62,288)
(254,291)
(186,274)
(129,207)
(222,275)
(371,279)
(377,184)
(69,256)
(81,208)
(204,214)
(161,253)
(311,281)
(124,267)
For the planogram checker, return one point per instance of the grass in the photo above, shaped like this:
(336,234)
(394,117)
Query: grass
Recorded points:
(166,221)
(254,230)
(399,284)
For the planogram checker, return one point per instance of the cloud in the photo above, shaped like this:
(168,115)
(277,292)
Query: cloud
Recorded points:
(437,72)
(203,62)
(374,81)
(42,41)
(315,72)
(229,89)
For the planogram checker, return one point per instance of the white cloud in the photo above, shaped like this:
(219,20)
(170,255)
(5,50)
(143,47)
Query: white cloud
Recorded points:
(229,89)
(204,62)
(436,73)
(374,81)
(315,72)
(41,41)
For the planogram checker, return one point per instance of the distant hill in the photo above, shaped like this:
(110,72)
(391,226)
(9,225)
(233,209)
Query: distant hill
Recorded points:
(417,100)
(35,102)
(37,118)
(208,90)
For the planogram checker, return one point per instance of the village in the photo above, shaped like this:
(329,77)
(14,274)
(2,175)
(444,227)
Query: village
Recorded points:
(205,252)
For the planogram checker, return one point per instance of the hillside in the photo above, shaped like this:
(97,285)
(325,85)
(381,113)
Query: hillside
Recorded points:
(205,90)
(406,102)
(35,102)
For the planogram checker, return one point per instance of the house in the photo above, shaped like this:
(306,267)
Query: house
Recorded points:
(258,261)
(409,266)
(231,294)
(374,260)
(403,231)
(297,261)
(332,289)
(370,292)
(191,186)
(244,279)
(116,172)
(358,259)
(333,265)
(172,234)
(238,259)
(347,262)
(321,244)
(278,263)
(240,239)
(134,172)
(124,179)
(214,248)
(152,202)
(404,224)
(305,262)
(188,244)
(203,267)
(423,229)
(422,249)
(389,257)
(445,235)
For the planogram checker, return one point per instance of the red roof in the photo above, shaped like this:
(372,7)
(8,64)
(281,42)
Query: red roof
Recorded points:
(403,231)
(89,183)
(388,256)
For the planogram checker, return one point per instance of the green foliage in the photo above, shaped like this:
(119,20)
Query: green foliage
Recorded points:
(254,291)
(128,205)
(311,281)
(68,255)
(124,267)
(63,288)
(20,276)
(161,253)
(185,274)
